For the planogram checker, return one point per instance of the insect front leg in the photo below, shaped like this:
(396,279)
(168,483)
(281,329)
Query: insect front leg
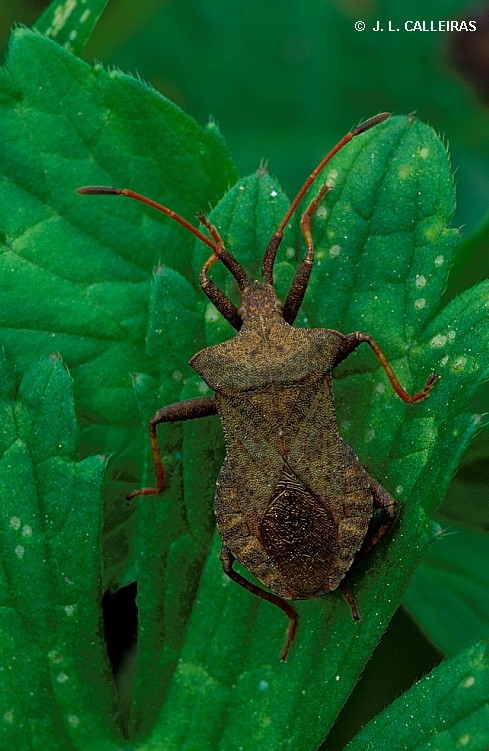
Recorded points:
(352,341)
(188,410)
(227,560)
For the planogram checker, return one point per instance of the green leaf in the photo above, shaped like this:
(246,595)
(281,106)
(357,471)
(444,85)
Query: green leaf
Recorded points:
(76,272)
(88,263)
(448,709)
(170,562)
(387,214)
(449,593)
(71,22)
(469,260)
(56,687)
(463,502)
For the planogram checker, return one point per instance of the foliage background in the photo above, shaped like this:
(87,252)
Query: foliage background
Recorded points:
(285,88)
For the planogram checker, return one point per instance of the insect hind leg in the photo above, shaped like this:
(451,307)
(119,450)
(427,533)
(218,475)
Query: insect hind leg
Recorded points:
(227,560)
(384,501)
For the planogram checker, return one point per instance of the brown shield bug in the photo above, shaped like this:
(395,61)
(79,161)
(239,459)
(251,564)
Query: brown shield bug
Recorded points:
(293,503)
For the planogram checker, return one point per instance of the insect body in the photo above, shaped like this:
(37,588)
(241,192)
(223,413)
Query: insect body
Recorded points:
(293,503)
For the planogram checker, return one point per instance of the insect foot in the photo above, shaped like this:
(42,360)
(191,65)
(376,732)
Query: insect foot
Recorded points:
(293,503)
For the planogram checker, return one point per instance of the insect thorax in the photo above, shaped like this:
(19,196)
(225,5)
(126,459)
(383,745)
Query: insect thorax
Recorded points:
(265,353)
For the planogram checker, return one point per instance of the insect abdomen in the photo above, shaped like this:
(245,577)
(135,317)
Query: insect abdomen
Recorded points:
(297,549)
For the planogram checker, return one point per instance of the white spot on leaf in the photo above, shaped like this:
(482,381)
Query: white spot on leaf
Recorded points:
(61,16)
(420,281)
(459,364)
(331,179)
(438,341)
(211,314)
(203,388)
(405,172)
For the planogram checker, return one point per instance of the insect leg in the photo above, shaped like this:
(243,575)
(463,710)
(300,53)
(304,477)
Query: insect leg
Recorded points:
(299,284)
(382,500)
(352,341)
(227,560)
(188,410)
(350,600)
